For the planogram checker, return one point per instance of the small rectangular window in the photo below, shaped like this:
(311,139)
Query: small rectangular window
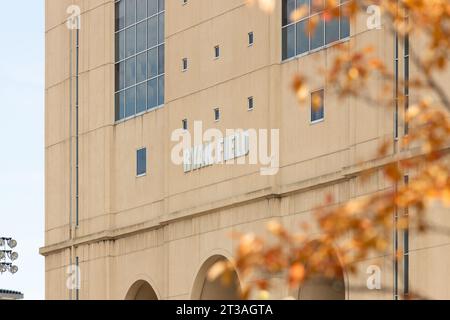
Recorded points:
(184,64)
(250,103)
(216,114)
(216,52)
(317,106)
(141,165)
(251,38)
(184,124)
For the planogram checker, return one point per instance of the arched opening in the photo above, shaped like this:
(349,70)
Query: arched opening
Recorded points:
(141,290)
(321,287)
(205,289)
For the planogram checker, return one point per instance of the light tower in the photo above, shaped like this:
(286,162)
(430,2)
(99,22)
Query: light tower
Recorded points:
(8,256)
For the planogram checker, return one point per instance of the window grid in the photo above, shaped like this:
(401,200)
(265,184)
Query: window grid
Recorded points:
(139,67)
(343,34)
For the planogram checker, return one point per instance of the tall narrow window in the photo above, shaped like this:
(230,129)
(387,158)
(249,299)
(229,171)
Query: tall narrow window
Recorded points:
(139,69)
(184,64)
(317,106)
(216,114)
(216,52)
(250,103)
(251,38)
(313,30)
(141,162)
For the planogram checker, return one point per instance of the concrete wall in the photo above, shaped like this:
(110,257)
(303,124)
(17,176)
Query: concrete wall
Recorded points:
(161,228)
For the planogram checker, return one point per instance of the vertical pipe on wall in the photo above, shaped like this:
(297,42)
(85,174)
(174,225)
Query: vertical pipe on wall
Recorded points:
(70,148)
(396,136)
(406,250)
(77,164)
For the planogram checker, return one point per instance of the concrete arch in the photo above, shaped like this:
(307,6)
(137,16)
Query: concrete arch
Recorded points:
(142,288)
(203,289)
(322,287)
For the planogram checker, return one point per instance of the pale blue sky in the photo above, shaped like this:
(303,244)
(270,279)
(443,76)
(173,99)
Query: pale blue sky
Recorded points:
(22,140)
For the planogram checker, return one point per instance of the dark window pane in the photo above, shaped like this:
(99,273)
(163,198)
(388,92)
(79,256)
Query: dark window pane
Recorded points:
(120,106)
(141,10)
(130,38)
(317,6)
(153,62)
(130,102)
(141,163)
(303,3)
(152,7)
(317,35)
(345,22)
(161,5)
(288,42)
(152,32)
(161,90)
(332,30)
(120,45)
(302,37)
(130,72)
(120,76)
(141,37)
(251,38)
(161,28)
(130,12)
(152,93)
(288,8)
(161,59)
(120,15)
(141,67)
(141,97)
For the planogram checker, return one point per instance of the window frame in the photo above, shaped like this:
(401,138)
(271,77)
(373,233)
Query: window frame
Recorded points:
(311,121)
(139,175)
(305,18)
(184,64)
(217,114)
(216,52)
(250,38)
(120,93)
(250,102)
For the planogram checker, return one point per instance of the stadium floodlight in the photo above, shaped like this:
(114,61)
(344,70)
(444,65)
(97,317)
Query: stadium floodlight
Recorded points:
(13,269)
(13,256)
(3,267)
(7,256)
(12,243)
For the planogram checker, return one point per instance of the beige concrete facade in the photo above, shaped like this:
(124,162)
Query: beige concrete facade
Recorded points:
(164,230)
